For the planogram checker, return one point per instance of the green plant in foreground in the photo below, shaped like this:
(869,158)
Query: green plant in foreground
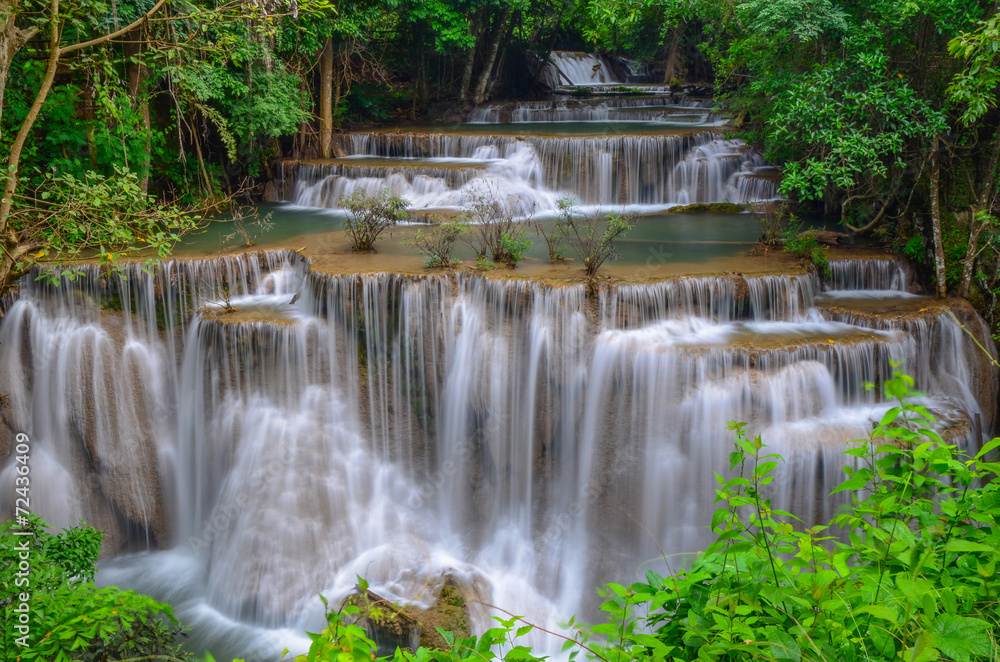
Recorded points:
(914,578)
(68,617)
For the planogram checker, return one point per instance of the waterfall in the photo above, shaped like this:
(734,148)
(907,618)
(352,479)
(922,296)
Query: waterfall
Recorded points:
(535,171)
(576,68)
(520,436)
(663,108)
(869,274)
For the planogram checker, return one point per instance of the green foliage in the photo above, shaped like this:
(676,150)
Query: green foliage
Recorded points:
(493,233)
(68,618)
(111,217)
(438,243)
(515,244)
(914,249)
(368,216)
(345,641)
(484,263)
(974,87)
(591,236)
(916,578)
(804,245)
(849,122)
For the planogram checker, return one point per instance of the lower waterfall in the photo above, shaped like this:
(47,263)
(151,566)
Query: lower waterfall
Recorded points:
(521,438)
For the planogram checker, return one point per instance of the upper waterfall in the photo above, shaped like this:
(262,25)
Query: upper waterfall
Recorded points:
(441,170)
(577,68)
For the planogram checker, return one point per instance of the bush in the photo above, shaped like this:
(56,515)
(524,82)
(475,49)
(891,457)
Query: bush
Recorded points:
(912,575)
(68,617)
(368,216)
(804,245)
(553,240)
(592,236)
(494,232)
(109,215)
(438,243)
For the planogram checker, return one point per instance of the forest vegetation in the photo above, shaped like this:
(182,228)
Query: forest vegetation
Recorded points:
(122,123)
(125,125)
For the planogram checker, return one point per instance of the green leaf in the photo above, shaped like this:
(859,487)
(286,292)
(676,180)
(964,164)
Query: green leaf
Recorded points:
(783,647)
(961,545)
(961,637)
(878,611)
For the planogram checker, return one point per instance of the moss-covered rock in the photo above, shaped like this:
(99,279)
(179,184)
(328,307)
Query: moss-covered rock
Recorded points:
(708,208)
(407,626)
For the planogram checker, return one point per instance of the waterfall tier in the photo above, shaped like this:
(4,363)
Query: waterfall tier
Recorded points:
(677,109)
(658,170)
(531,440)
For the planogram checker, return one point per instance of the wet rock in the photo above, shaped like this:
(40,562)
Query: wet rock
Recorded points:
(392,625)
(708,208)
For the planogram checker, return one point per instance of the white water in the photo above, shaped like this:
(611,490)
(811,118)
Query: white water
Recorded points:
(401,428)
(575,68)
(679,110)
(533,172)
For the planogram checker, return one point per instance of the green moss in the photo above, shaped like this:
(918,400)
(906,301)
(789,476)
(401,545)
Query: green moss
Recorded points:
(707,208)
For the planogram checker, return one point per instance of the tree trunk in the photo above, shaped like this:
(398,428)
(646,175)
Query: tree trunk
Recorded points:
(209,193)
(326,99)
(942,285)
(137,75)
(484,77)
(470,60)
(975,227)
(8,44)
(670,71)
(88,116)
(7,233)
(502,59)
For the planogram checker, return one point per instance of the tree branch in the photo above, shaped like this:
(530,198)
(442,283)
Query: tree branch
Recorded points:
(117,33)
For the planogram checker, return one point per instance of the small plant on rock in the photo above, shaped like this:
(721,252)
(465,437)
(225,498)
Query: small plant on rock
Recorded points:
(438,243)
(368,216)
(592,236)
(494,229)
(803,244)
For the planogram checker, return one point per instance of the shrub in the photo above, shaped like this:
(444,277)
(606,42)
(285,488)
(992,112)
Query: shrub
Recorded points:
(368,216)
(804,245)
(771,218)
(915,580)
(494,232)
(553,240)
(438,243)
(68,617)
(109,215)
(592,236)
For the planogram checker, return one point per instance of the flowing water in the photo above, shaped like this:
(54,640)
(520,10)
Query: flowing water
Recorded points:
(520,438)
(641,153)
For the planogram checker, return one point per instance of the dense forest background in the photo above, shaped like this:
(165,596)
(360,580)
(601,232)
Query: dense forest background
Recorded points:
(121,118)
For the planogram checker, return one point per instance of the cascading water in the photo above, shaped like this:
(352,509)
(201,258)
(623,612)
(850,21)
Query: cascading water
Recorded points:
(576,68)
(664,108)
(534,171)
(524,439)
